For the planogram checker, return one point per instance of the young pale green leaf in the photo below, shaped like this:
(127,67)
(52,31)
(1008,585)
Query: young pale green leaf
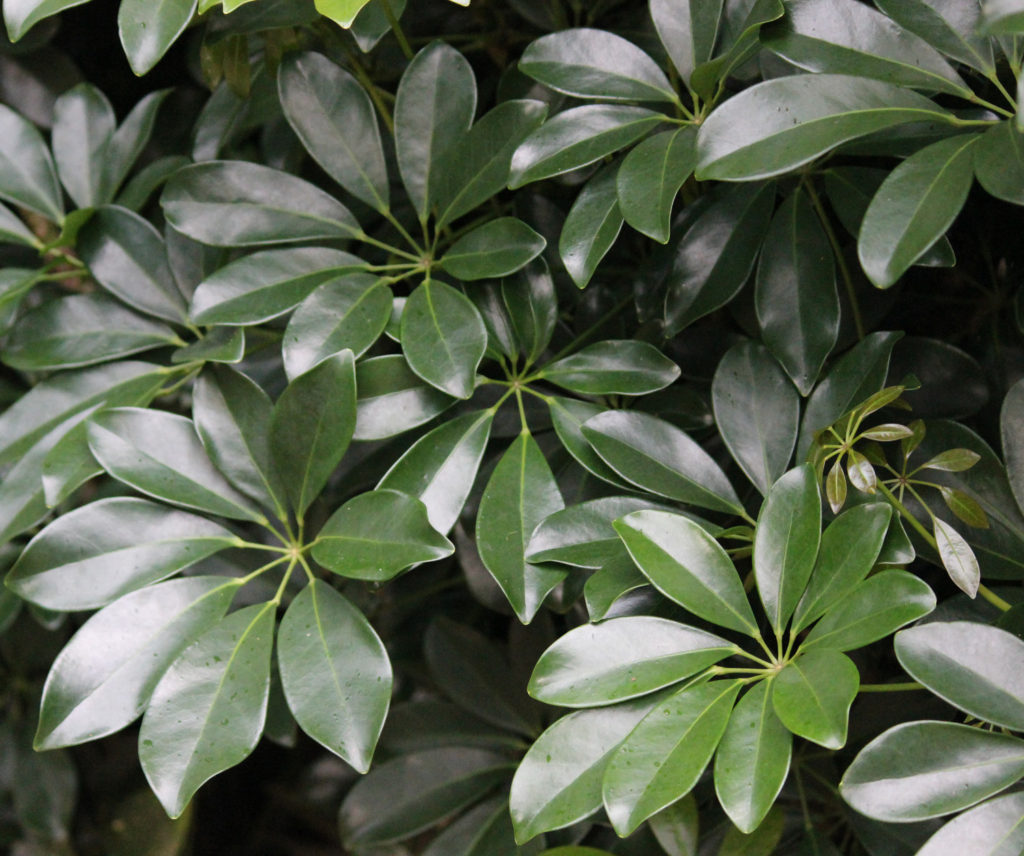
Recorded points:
(577,137)
(558,782)
(495,249)
(850,546)
(786,543)
(232,417)
(688,566)
(951,26)
(972,666)
(652,174)
(752,760)
(999,162)
(716,254)
(208,711)
(443,337)
(239,204)
(21,15)
(264,285)
(965,507)
(335,673)
(104,677)
(952,461)
(28,176)
(127,256)
(377,535)
(160,454)
(776,126)
(532,308)
(520,493)
(688,29)
(991,829)
(615,366)
(591,227)
(90,556)
(846,37)
(914,206)
(435,107)
(813,693)
(568,416)
(589,63)
(1011,421)
(476,166)
(957,557)
(872,610)
(617,578)
(311,426)
(757,411)
(149,27)
(664,756)
(622,658)
(796,298)
(440,468)
(83,126)
(919,770)
(81,330)
(391,399)
(334,118)
(655,455)
(582,535)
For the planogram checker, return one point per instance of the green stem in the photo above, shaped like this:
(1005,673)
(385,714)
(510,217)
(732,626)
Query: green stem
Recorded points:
(905,513)
(995,108)
(261,570)
(993,598)
(909,686)
(284,582)
(522,410)
(360,235)
(394,221)
(396,28)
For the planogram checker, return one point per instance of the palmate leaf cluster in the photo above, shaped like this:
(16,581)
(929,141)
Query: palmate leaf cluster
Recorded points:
(582,420)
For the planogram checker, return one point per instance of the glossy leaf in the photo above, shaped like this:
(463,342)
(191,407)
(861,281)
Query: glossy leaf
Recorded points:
(391,399)
(28,176)
(622,658)
(676,827)
(83,127)
(609,584)
(129,140)
(21,15)
(208,711)
(94,554)
(335,673)
(957,557)
(591,227)
(149,27)
(687,29)
(991,829)
(999,162)
(951,26)
(532,307)
(624,367)
(653,172)
(812,696)
(495,249)
(519,495)
(568,416)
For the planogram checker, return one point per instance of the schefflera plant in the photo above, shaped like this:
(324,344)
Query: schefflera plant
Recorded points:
(658,698)
(168,648)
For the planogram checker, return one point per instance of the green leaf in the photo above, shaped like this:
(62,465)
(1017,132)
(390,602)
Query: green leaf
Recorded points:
(558,782)
(757,412)
(1011,422)
(238,204)
(872,610)
(149,27)
(664,756)
(1002,17)
(434,109)
(753,759)
(81,330)
(485,830)
(414,726)
(957,557)
(652,174)
(762,841)
(334,118)
(217,345)
(311,427)
(776,126)
(591,227)
(208,711)
(999,162)
(377,535)
(232,417)
(160,455)
(343,12)
(657,456)
(440,468)
(952,461)
(83,126)
(497,248)
(813,693)
(21,15)
(443,337)
(568,416)
(622,658)
(919,770)
(688,566)
(519,495)
(624,367)
(335,673)
(610,583)
(95,554)
(676,827)
(716,254)
(476,166)
(914,207)
(127,256)
(128,142)
(578,137)
(850,546)
(738,43)
(392,399)
(951,26)
(589,63)
(786,543)
(12,229)
(67,465)
(965,507)
(847,37)
(532,308)
(28,177)
(796,298)
(104,677)
(264,285)
(688,30)
(991,829)
(972,666)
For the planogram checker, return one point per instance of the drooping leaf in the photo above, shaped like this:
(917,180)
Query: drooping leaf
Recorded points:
(497,248)
(813,693)
(591,227)
(149,27)
(623,367)
(652,174)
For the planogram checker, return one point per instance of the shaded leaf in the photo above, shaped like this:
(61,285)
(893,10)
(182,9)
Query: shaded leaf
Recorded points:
(624,367)
(495,249)
(652,174)
(391,399)
(591,227)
